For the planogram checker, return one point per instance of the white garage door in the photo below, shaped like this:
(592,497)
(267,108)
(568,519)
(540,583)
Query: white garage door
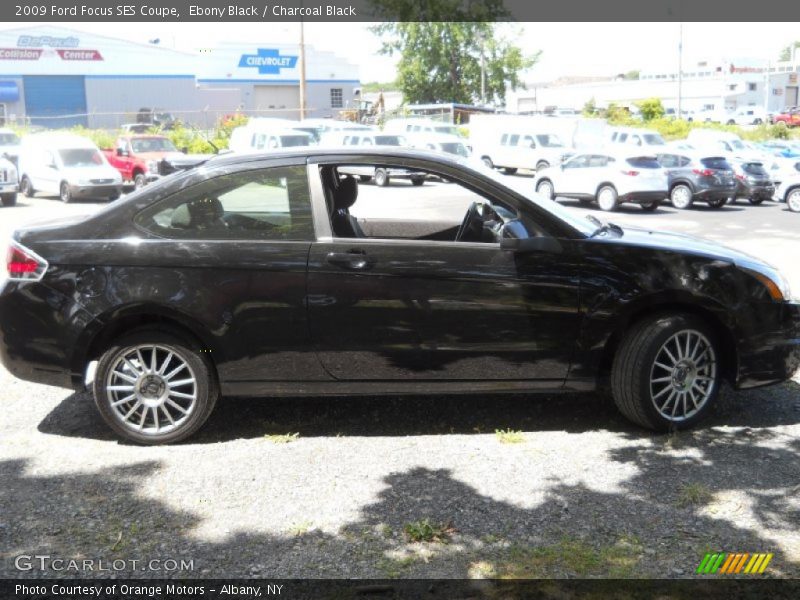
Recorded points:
(282,101)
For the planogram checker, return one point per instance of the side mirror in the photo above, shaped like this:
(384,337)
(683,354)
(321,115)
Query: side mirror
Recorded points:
(185,149)
(533,244)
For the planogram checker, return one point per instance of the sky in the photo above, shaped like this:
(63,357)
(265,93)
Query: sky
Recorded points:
(589,49)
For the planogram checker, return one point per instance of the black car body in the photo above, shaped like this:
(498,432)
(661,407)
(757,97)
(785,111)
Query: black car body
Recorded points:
(752,181)
(704,178)
(521,296)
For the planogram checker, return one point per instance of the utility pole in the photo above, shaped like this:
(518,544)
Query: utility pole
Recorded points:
(680,71)
(302,69)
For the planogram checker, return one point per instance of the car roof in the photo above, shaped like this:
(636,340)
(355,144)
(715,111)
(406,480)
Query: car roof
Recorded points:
(60,140)
(398,152)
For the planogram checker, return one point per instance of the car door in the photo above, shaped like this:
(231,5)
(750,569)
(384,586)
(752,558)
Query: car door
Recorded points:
(240,266)
(48,173)
(427,308)
(570,175)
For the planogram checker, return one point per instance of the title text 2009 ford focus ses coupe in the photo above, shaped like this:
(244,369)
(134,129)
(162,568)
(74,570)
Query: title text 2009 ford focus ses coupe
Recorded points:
(271,275)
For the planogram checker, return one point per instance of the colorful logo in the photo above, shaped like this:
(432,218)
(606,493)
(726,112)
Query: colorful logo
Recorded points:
(726,563)
(268,61)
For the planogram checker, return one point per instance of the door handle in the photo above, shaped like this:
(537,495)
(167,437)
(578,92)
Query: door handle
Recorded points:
(356,260)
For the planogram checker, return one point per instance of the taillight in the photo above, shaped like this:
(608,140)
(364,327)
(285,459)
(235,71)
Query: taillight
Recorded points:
(740,177)
(703,172)
(630,173)
(23,264)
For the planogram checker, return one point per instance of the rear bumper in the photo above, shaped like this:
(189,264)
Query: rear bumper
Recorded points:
(644,197)
(772,355)
(715,193)
(9,188)
(755,190)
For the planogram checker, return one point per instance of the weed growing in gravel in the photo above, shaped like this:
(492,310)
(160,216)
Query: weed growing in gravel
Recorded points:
(281,439)
(509,436)
(692,494)
(299,529)
(425,531)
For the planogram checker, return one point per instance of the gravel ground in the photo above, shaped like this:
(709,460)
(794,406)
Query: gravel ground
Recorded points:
(328,487)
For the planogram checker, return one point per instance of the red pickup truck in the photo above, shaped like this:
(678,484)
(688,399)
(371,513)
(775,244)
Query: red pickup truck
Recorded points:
(790,116)
(136,157)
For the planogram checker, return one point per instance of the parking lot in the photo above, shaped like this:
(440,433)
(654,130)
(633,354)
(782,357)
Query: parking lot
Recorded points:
(513,486)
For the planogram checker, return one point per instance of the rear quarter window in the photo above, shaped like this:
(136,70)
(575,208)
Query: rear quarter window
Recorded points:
(643,162)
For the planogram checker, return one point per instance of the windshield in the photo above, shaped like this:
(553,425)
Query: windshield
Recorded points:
(81,157)
(549,141)
(738,145)
(523,188)
(152,145)
(446,129)
(8,139)
(653,139)
(456,148)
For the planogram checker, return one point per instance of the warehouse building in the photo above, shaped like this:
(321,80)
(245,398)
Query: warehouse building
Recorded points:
(705,85)
(58,77)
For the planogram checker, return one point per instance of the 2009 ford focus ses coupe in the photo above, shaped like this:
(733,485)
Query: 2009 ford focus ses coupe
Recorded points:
(276,275)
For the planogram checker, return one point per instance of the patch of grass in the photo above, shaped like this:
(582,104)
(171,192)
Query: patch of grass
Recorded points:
(509,436)
(692,494)
(299,529)
(285,438)
(393,568)
(569,557)
(425,531)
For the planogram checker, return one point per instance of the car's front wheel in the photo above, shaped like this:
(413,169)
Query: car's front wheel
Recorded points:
(381,178)
(64,193)
(793,200)
(154,388)
(26,187)
(545,188)
(139,181)
(666,372)
(417,181)
(681,196)
(756,199)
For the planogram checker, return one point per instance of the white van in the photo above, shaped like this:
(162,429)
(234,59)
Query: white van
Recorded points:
(512,149)
(266,137)
(641,138)
(419,125)
(66,165)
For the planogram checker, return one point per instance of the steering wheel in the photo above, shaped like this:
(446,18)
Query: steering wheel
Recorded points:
(473,221)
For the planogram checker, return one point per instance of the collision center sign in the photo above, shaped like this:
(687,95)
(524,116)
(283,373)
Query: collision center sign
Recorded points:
(33,48)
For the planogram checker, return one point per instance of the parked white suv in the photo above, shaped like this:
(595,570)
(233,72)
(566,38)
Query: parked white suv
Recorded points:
(789,191)
(8,182)
(606,178)
(383,175)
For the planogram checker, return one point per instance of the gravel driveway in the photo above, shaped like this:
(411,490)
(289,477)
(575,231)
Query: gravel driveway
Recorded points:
(349,487)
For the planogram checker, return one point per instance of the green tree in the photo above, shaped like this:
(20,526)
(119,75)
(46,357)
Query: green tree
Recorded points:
(786,53)
(590,108)
(440,57)
(651,108)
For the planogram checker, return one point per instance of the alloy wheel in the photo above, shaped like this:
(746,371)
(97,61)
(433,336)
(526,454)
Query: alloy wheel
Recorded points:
(681,197)
(545,188)
(793,201)
(683,375)
(151,389)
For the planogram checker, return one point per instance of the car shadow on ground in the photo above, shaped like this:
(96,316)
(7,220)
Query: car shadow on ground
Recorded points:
(398,416)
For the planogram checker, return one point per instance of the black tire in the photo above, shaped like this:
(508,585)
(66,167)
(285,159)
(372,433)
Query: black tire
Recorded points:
(607,198)
(139,181)
(381,178)
(717,202)
(64,193)
(207,389)
(487,161)
(793,200)
(364,178)
(509,170)
(417,181)
(633,367)
(756,200)
(542,164)
(545,188)
(26,187)
(9,199)
(650,206)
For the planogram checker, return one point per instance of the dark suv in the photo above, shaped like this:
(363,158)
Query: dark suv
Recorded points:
(706,178)
(752,181)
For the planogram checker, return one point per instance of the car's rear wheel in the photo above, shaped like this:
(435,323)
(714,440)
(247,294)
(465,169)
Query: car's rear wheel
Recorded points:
(681,196)
(542,164)
(545,188)
(607,198)
(9,199)
(666,372)
(651,206)
(64,193)
(756,199)
(793,200)
(154,388)
(716,202)
(487,161)
(509,170)
(381,178)
(26,187)
(418,181)
(139,181)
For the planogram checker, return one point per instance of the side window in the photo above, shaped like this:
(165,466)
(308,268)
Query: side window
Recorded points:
(578,162)
(504,140)
(513,140)
(259,140)
(266,204)
(622,137)
(528,142)
(635,140)
(597,160)
(683,161)
(668,161)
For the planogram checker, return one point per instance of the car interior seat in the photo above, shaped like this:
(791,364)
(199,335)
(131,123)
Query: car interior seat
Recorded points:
(344,224)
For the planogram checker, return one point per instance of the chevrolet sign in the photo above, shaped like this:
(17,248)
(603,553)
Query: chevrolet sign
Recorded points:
(268,61)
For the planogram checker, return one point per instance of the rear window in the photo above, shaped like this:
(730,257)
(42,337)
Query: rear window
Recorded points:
(652,139)
(644,162)
(755,168)
(716,162)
